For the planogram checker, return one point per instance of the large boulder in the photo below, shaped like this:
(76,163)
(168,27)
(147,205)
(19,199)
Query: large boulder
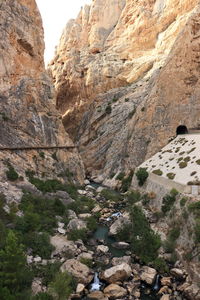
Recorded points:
(148,274)
(97,295)
(80,271)
(63,246)
(120,260)
(114,291)
(118,224)
(117,273)
(76,224)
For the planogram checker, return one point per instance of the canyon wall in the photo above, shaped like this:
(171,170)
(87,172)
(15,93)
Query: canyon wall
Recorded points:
(126,75)
(28,116)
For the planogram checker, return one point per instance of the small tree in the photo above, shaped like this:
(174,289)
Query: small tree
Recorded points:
(142,176)
(61,287)
(14,274)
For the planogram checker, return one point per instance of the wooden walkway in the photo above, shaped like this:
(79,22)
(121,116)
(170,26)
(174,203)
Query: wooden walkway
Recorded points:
(26,148)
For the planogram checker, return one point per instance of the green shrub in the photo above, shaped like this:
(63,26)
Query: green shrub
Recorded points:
(157,172)
(4,117)
(126,182)
(91,223)
(171,175)
(46,272)
(183,201)
(142,176)
(126,99)
(108,109)
(160,265)
(42,154)
(197,231)
(168,201)
(42,296)
(11,174)
(131,113)
(133,197)
(86,261)
(144,241)
(61,287)
(170,243)
(115,99)
(111,195)
(54,156)
(39,213)
(195,208)
(66,173)
(193,173)
(82,204)
(191,150)
(39,243)
(77,234)
(120,176)
(182,164)
(198,162)
(186,159)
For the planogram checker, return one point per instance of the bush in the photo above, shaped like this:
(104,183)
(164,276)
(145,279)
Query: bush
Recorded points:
(86,261)
(108,109)
(77,234)
(182,164)
(133,197)
(126,182)
(91,223)
(11,174)
(120,176)
(158,172)
(42,154)
(170,243)
(39,243)
(195,208)
(62,286)
(168,201)
(144,241)
(42,296)
(131,114)
(183,201)
(47,272)
(82,204)
(142,176)
(160,265)
(111,195)
(171,175)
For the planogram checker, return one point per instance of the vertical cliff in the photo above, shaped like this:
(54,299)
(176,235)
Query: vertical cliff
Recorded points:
(28,116)
(140,78)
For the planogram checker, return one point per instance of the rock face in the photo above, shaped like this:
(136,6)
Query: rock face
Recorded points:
(28,116)
(80,271)
(138,69)
(117,273)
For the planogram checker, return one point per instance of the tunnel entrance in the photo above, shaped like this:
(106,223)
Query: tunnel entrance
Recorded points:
(182,129)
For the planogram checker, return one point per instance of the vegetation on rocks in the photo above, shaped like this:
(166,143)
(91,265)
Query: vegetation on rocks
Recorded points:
(169,200)
(142,176)
(144,241)
(11,173)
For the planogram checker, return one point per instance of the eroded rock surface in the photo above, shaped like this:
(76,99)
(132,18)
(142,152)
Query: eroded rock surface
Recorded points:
(28,116)
(139,73)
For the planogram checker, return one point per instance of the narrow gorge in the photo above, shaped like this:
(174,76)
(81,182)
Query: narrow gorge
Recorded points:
(99,153)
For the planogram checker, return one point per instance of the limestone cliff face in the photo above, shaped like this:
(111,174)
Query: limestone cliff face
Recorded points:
(112,44)
(27,113)
(145,54)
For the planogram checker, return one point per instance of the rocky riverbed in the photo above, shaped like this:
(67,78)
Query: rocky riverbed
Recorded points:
(104,267)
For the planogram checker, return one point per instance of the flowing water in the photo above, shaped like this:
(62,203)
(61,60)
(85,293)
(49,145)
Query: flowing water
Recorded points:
(102,234)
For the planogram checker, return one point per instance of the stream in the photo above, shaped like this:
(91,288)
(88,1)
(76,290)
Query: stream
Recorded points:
(147,292)
(101,233)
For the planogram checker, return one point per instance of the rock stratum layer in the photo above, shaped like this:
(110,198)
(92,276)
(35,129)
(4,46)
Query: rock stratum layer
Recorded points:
(28,117)
(134,67)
